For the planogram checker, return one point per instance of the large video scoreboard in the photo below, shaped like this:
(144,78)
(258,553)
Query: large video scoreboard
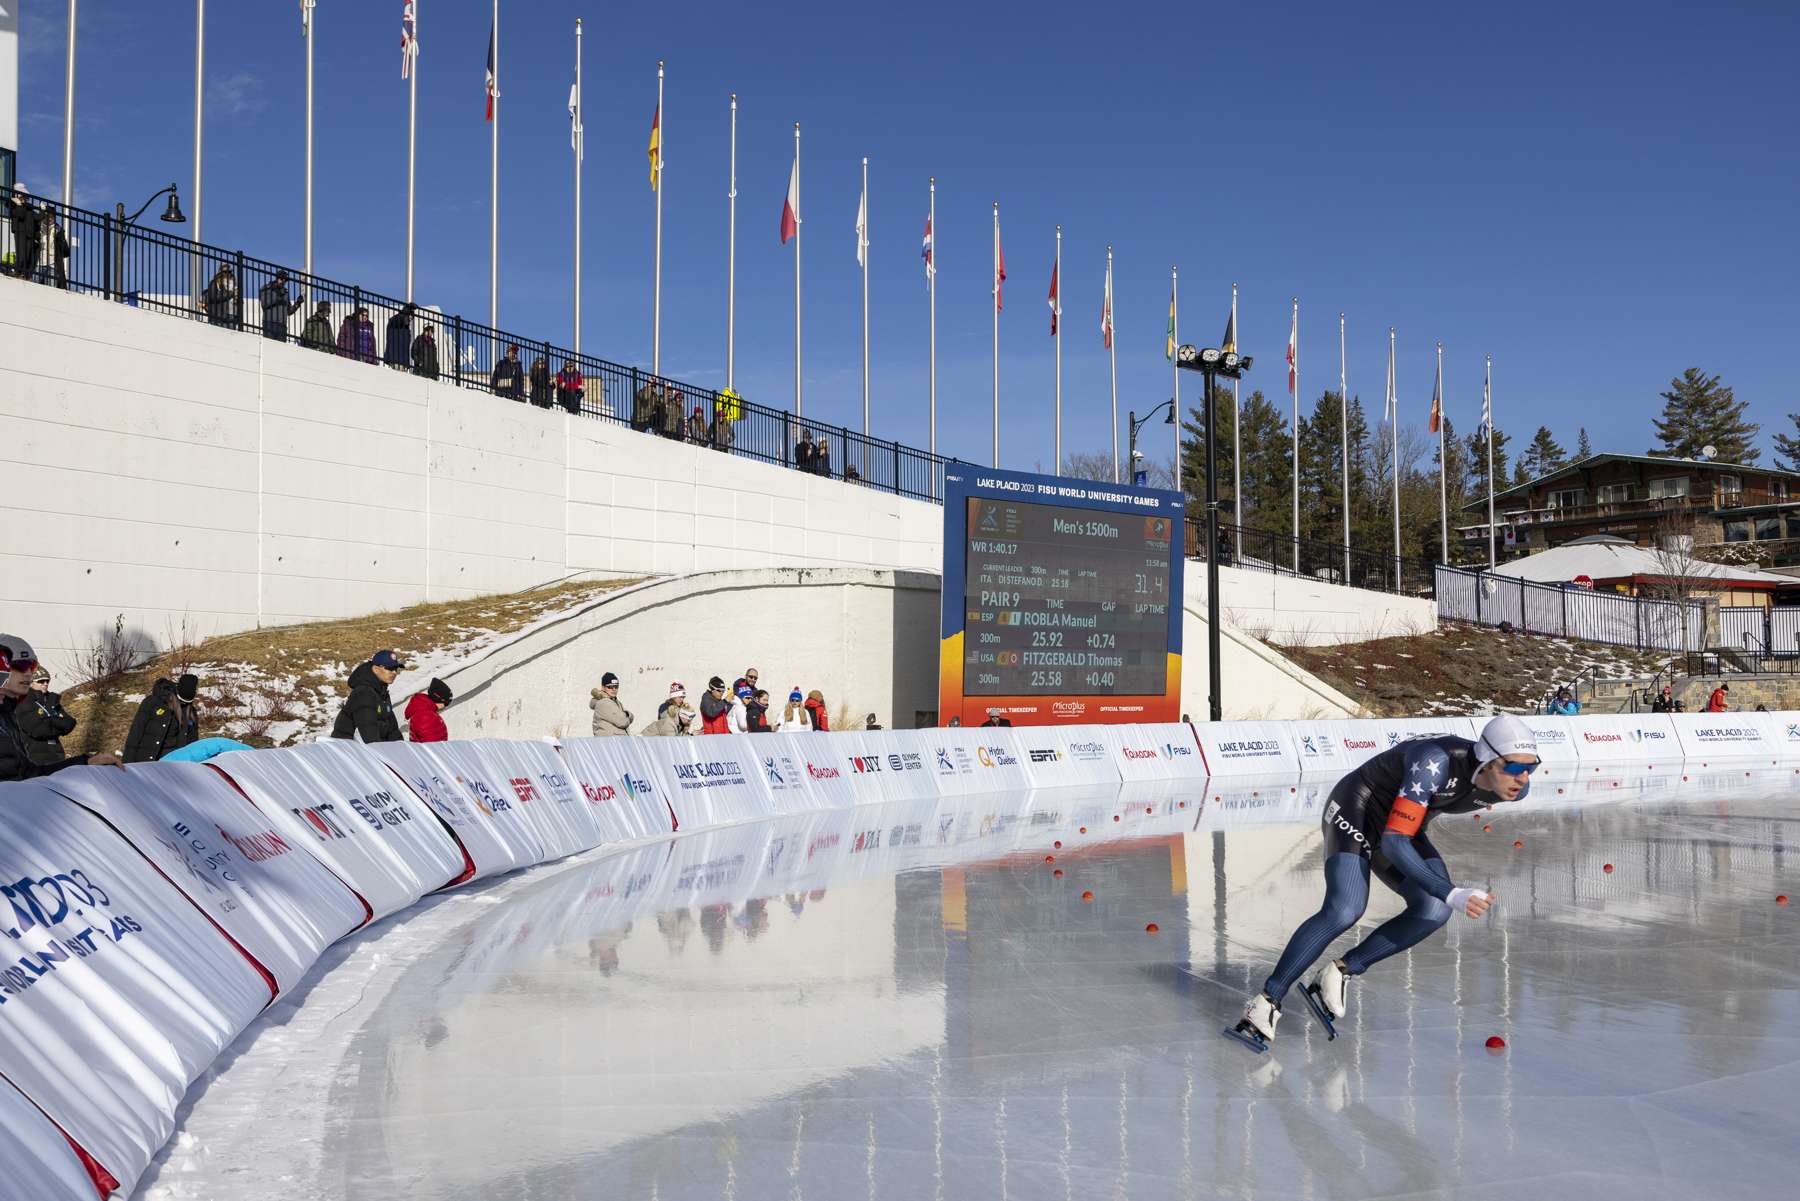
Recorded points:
(1061,602)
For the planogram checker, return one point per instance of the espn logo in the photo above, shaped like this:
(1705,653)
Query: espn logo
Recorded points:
(1045,756)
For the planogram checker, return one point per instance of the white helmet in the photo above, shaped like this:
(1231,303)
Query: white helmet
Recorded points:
(1505,735)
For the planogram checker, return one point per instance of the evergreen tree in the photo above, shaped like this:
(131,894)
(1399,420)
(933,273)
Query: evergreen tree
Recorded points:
(1787,447)
(1477,446)
(1322,471)
(1456,482)
(1543,456)
(1583,448)
(1193,455)
(1699,411)
(1268,466)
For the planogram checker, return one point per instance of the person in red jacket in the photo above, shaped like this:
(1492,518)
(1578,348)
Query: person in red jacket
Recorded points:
(1719,701)
(422,718)
(815,705)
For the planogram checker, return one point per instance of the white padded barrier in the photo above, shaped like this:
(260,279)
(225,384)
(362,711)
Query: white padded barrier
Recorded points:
(1627,743)
(492,845)
(827,779)
(783,774)
(343,804)
(534,776)
(1064,756)
(1333,748)
(117,992)
(1558,748)
(1179,748)
(1248,748)
(708,779)
(1752,739)
(279,903)
(982,759)
(39,1163)
(886,765)
(615,776)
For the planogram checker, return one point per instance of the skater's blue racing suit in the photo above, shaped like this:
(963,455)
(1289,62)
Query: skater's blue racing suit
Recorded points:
(1375,823)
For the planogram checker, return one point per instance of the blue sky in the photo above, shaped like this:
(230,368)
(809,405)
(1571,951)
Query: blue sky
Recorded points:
(1598,194)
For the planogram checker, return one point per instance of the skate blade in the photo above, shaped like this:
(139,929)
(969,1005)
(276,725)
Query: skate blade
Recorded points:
(1248,1038)
(1311,996)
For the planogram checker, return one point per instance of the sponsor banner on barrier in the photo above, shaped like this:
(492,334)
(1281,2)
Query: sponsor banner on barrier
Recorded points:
(1178,746)
(1395,730)
(709,779)
(115,991)
(267,891)
(1247,748)
(39,1163)
(483,784)
(535,777)
(493,847)
(1640,741)
(343,804)
(1712,737)
(985,758)
(782,772)
(887,765)
(951,759)
(1135,755)
(826,776)
(1558,747)
(1060,756)
(619,784)
(1334,748)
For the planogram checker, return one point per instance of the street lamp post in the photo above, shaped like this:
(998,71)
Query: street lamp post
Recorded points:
(1135,424)
(171,213)
(1211,364)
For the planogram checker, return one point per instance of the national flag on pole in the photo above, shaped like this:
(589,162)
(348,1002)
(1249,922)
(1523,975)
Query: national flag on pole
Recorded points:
(1169,348)
(1055,300)
(1487,406)
(1229,342)
(656,162)
(862,229)
(493,92)
(1437,404)
(576,133)
(925,253)
(1293,351)
(790,211)
(1106,328)
(999,267)
(1390,403)
(409,38)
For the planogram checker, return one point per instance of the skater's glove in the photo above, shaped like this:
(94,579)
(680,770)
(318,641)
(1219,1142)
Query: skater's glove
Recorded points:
(1459,899)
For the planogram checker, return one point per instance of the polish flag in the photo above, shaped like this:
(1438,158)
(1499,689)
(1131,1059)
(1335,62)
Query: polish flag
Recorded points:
(790,211)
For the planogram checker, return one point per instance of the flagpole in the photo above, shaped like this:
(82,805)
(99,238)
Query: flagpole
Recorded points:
(1344,418)
(996,280)
(1112,353)
(1394,431)
(797,409)
(662,141)
(199,98)
(1237,436)
(494,187)
(308,238)
(1057,314)
(1443,466)
(1487,394)
(931,289)
(1295,389)
(1175,369)
(731,260)
(68,179)
(412,147)
(578,137)
(862,241)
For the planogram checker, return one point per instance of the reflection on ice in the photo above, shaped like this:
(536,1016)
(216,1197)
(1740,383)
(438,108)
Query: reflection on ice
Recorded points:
(906,1001)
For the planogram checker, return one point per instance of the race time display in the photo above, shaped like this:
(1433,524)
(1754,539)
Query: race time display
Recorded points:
(1061,602)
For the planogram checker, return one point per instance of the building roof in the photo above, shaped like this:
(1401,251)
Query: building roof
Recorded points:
(1656,460)
(1607,558)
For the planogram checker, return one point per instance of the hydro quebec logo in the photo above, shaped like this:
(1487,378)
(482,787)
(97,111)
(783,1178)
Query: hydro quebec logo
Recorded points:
(995,756)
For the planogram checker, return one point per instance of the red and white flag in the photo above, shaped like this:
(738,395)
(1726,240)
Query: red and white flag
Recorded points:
(790,211)
(1106,309)
(1293,350)
(1055,300)
(1437,400)
(409,38)
(999,265)
(930,263)
(492,80)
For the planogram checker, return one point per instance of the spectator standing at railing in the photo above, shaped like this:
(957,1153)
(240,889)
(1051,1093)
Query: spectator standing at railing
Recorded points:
(317,333)
(673,425)
(851,474)
(542,392)
(24,218)
(508,377)
(570,387)
(167,720)
(728,410)
(715,708)
(41,719)
(356,337)
(806,453)
(369,711)
(1565,705)
(18,666)
(53,244)
(697,431)
(222,300)
(822,463)
(815,708)
(756,712)
(278,306)
(646,410)
(1720,700)
(397,352)
(675,718)
(425,354)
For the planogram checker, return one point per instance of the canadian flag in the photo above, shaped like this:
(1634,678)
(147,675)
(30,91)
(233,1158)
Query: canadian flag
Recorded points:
(1055,307)
(790,211)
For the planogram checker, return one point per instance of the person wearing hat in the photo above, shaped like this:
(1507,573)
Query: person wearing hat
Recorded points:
(368,711)
(167,719)
(815,709)
(317,333)
(737,720)
(43,722)
(796,718)
(675,717)
(278,306)
(1666,703)
(750,677)
(1720,700)
(422,720)
(1374,825)
(18,671)
(715,708)
(994,718)
(611,717)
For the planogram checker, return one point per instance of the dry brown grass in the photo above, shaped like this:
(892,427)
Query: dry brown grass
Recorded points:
(253,683)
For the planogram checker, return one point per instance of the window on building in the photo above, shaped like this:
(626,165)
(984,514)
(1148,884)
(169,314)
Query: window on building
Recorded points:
(1614,494)
(1567,498)
(1669,486)
(1778,489)
(1768,529)
(1737,531)
(1731,485)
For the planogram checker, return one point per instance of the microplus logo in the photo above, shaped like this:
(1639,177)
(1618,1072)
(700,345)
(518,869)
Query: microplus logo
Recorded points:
(1093,752)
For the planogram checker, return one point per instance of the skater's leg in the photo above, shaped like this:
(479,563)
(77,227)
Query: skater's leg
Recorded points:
(1423,916)
(1346,896)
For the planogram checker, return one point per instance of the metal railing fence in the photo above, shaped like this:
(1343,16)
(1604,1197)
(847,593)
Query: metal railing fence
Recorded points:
(1611,618)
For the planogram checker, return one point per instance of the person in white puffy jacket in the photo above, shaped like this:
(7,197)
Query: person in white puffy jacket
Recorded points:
(793,718)
(739,717)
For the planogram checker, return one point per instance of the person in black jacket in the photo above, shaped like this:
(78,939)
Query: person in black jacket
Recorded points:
(425,354)
(508,379)
(368,711)
(18,664)
(397,351)
(41,719)
(278,307)
(166,720)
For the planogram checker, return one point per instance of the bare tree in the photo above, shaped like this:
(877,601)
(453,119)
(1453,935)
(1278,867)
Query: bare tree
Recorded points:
(1097,465)
(1680,573)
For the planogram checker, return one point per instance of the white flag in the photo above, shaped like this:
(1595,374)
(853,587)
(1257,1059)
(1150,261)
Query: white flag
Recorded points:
(1389,405)
(575,131)
(862,228)
(1487,404)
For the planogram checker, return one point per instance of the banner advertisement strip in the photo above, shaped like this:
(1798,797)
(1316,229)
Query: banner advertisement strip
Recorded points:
(708,779)
(1628,741)
(615,776)
(539,779)
(1063,756)
(281,905)
(1179,747)
(116,991)
(40,1164)
(1248,748)
(1759,738)
(827,780)
(493,846)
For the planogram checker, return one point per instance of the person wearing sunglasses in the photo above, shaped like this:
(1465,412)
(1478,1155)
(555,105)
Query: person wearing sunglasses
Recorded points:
(18,667)
(1374,825)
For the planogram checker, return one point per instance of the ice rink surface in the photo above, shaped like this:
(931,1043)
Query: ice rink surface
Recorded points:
(906,1001)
